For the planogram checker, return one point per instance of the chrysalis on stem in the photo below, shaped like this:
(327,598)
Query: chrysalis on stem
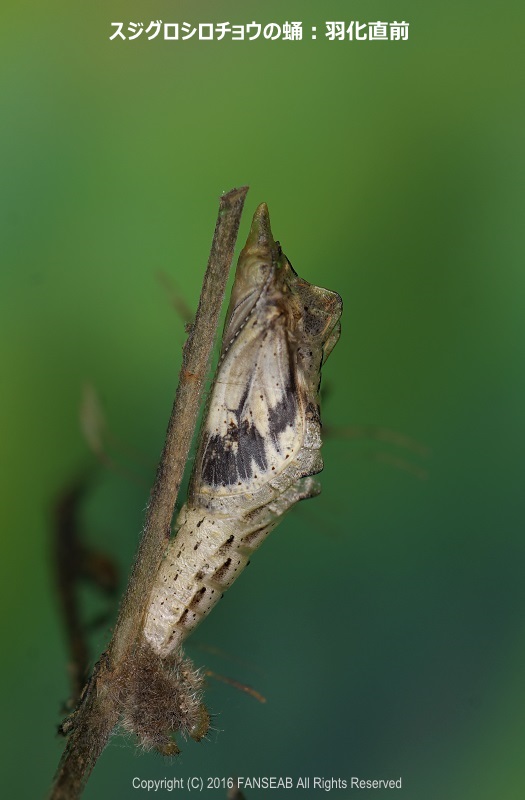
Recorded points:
(259,447)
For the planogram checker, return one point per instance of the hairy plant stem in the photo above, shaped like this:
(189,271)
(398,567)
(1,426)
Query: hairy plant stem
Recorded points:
(98,711)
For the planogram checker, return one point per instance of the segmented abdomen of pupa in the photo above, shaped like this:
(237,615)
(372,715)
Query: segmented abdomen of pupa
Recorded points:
(215,540)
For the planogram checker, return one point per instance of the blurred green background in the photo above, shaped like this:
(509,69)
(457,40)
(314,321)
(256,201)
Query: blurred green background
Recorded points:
(384,622)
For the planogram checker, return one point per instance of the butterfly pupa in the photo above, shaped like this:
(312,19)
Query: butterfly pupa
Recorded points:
(260,439)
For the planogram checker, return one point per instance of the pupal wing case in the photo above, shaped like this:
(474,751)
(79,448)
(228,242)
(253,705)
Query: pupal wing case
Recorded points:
(261,435)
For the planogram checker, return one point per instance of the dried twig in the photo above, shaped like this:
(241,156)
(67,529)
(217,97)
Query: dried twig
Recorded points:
(75,562)
(98,713)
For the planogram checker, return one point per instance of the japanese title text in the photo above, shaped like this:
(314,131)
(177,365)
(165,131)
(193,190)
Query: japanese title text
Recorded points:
(353,31)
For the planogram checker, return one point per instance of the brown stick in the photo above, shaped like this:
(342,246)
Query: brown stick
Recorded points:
(98,712)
